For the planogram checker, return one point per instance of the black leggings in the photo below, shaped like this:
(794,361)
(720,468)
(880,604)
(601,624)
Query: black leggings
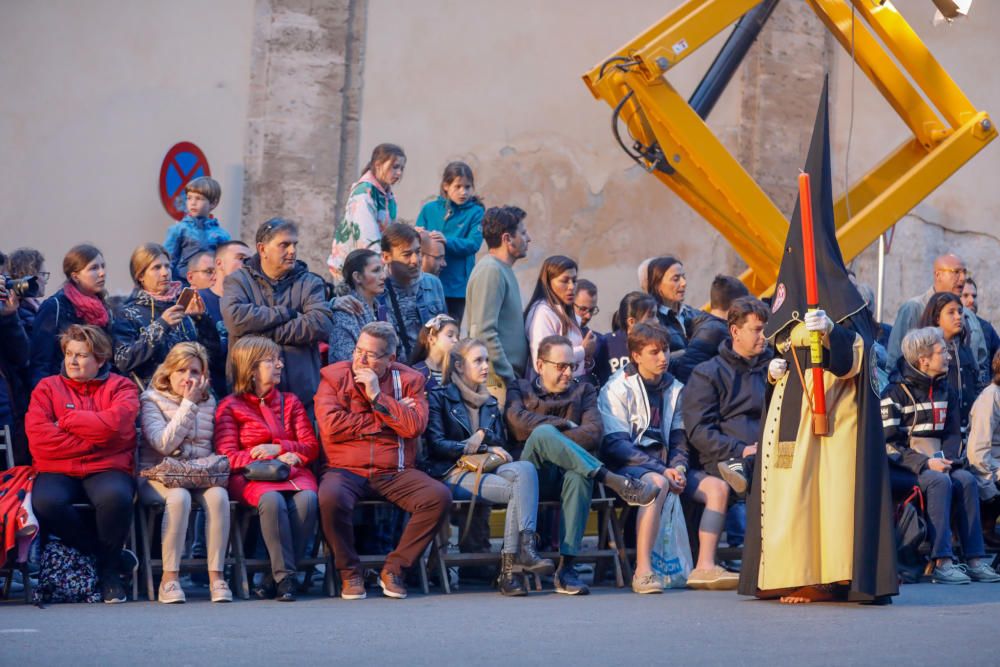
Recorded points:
(110,492)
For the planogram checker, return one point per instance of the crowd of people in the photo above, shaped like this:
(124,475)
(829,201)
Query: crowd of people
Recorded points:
(415,355)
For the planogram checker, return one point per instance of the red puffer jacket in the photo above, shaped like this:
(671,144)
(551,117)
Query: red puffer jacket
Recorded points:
(81,428)
(367,438)
(244,421)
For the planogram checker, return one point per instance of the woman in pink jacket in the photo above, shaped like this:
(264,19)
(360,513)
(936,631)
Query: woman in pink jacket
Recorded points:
(257,422)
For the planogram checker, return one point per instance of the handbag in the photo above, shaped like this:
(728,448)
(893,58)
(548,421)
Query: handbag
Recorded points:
(200,473)
(268,470)
(480,464)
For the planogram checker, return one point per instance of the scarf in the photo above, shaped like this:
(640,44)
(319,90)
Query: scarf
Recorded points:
(173,291)
(474,398)
(90,309)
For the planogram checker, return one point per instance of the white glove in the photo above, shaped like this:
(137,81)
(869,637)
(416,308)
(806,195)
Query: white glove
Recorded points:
(818,321)
(777,368)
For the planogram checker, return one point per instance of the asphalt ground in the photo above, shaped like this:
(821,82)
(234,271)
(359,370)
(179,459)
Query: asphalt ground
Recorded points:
(928,625)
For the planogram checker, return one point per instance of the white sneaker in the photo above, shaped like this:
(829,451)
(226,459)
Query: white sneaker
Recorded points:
(171,592)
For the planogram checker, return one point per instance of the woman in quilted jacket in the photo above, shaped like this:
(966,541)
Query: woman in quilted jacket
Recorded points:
(178,421)
(151,322)
(257,422)
(81,432)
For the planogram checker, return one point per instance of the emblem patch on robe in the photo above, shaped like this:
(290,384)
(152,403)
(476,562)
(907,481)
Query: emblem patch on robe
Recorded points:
(779,297)
(873,372)
(784,454)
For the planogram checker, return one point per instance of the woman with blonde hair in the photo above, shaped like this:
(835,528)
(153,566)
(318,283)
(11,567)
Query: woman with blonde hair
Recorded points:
(465,419)
(257,423)
(178,420)
(152,320)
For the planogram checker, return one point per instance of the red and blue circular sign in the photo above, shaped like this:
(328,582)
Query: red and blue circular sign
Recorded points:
(183,163)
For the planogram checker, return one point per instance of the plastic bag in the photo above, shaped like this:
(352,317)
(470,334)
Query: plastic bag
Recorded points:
(671,557)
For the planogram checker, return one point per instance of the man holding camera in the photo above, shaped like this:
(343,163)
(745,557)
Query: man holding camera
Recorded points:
(14,357)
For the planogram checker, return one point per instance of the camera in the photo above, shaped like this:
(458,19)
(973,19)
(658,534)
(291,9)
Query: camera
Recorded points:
(21,287)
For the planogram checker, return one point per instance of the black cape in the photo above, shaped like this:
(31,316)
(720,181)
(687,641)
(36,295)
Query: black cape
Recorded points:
(874,567)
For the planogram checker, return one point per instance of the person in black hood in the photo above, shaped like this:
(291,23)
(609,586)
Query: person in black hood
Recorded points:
(274,295)
(819,515)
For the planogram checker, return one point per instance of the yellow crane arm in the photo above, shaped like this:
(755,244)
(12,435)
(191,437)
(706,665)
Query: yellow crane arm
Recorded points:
(672,142)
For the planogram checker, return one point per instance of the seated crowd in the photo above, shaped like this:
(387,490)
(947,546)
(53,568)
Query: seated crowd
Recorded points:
(426,381)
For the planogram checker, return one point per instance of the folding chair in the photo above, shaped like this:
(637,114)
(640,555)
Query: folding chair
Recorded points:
(147,514)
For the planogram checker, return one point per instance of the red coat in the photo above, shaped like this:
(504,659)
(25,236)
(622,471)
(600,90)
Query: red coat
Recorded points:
(81,428)
(364,440)
(244,421)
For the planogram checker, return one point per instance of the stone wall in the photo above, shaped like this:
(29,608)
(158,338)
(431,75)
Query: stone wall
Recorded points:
(305,96)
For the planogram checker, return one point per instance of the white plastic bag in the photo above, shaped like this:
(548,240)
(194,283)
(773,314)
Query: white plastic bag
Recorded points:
(671,555)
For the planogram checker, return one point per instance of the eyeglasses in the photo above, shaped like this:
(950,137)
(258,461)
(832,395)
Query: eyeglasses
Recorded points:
(44,275)
(562,367)
(365,355)
(207,272)
(961,272)
(583,310)
(274,361)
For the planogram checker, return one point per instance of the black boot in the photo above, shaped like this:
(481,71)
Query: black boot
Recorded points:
(567,580)
(529,558)
(510,583)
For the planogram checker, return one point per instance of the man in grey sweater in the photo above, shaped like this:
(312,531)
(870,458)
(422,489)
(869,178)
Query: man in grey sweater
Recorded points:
(493,310)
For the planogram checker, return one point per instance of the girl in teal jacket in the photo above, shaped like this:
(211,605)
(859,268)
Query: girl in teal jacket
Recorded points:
(455,218)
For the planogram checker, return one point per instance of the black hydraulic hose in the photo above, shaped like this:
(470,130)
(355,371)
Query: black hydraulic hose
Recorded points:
(730,57)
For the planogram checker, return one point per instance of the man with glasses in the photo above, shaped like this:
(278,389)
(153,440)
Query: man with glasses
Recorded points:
(950,273)
(585,304)
(201,270)
(556,420)
(229,258)
(371,412)
(433,250)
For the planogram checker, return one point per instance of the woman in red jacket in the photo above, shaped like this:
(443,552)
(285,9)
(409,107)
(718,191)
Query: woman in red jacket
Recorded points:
(258,422)
(81,431)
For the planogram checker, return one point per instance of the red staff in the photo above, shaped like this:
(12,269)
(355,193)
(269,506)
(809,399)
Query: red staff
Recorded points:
(820,424)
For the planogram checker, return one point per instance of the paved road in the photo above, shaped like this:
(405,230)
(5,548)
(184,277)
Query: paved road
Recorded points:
(928,625)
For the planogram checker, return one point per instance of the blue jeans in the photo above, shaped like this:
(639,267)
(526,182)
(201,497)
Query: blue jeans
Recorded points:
(513,484)
(947,495)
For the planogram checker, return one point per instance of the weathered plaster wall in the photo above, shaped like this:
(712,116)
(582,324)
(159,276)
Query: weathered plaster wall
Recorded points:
(94,95)
(305,89)
(962,215)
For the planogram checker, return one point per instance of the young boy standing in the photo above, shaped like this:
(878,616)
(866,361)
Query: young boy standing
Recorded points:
(198,231)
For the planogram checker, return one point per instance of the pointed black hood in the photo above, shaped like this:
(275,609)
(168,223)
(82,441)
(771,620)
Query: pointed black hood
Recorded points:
(837,294)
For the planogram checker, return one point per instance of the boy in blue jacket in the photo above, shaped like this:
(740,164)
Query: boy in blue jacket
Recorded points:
(198,231)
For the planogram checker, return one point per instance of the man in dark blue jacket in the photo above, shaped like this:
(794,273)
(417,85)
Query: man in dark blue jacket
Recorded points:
(723,402)
(14,356)
(708,330)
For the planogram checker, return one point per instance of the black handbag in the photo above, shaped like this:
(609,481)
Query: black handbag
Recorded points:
(268,470)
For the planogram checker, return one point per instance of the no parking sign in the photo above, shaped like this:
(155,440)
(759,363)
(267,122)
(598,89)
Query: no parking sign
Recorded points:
(183,163)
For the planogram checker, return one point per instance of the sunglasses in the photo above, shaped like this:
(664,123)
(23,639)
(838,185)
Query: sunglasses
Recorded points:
(563,367)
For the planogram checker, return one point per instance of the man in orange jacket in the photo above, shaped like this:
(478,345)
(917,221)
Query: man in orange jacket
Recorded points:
(371,412)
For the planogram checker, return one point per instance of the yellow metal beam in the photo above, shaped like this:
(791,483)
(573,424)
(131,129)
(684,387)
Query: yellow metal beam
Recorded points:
(710,180)
(917,60)
(876,64)
(910,188)
(677,35)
